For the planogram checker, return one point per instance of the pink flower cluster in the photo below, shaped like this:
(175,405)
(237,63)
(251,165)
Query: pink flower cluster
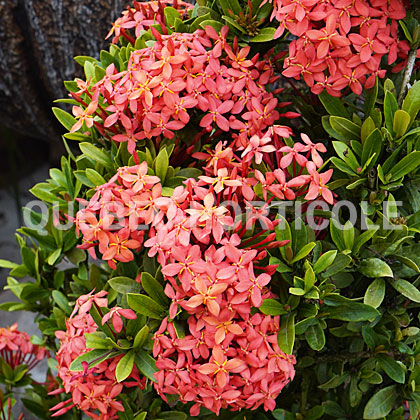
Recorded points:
(340,42)
(214,271)
(16,348)
(142,16)
(184,77)
(117,217)
(95,390)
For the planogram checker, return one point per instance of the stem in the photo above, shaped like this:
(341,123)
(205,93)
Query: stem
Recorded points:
(411,61)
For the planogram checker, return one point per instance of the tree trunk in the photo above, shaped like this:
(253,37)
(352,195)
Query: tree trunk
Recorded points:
(38,40)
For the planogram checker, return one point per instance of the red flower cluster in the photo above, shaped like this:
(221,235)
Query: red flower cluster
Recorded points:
(214,271)
(142,16)
(182,77)
(95,390)
(16,348)
(340,42)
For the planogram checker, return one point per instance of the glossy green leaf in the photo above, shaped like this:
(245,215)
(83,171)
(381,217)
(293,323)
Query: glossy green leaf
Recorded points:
(375,267)
(345,128)
(352,311)
(380,404)
(370,98)
(315,337)
(411,103)
(124,285)
(303,252)
(161,164)
(346,154)
(404,166)
(125,366)
(93,357)
(401,123)
(146,364)
(392,368)
(375,293)
(272,307)
(145,305)
(154,289)
(265,35)
(390,107)
(67,120)
(372,145)
(407,289)
(141,337)
(333,105)
(286,334)
(324,261)
(96,154)
(61,301)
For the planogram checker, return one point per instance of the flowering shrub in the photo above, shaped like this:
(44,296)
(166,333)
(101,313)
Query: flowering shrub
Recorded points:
(231,243)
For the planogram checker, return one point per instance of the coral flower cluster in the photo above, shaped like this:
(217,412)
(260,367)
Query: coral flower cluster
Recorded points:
(16,348)
(142,16)
(95,390)
(183,77)
(214,270)
(340,43)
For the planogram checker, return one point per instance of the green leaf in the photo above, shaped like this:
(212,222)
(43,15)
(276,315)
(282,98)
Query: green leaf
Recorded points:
(145,305)
(315,337)
(375,293)
(348,235)
(404,166)
(232,22)
(407,289)
(96,154)
(154,289)
(170,15)
(363,238)
(141,337)
(230,6)
(125,366)
(172,415)
(370,98)
(309,278)
(61,301)
(380,404)
(161,165)
(337,234)
(8,264)
(283,233)
(352,311)
(93,357)
(401,122)
(339,264)
(375,267)
(303,252)
(346,154)
(392,368)
(213,23)
(272,307)
(286,334)
(411,102)
(390,107)
(124,285)
(324,261)
(97,341)
(372,145)
(345,128)
(95,177)
(66,119)
(146,364)
(265,35)
(333,105)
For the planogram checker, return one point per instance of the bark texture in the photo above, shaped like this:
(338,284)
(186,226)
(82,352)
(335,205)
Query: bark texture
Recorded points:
(38,40)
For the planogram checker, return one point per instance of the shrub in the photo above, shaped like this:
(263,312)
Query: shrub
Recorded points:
(233,243)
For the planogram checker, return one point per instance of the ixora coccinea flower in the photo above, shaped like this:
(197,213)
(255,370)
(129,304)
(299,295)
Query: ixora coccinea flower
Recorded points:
(339,43)
(182,79)
(214,274)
